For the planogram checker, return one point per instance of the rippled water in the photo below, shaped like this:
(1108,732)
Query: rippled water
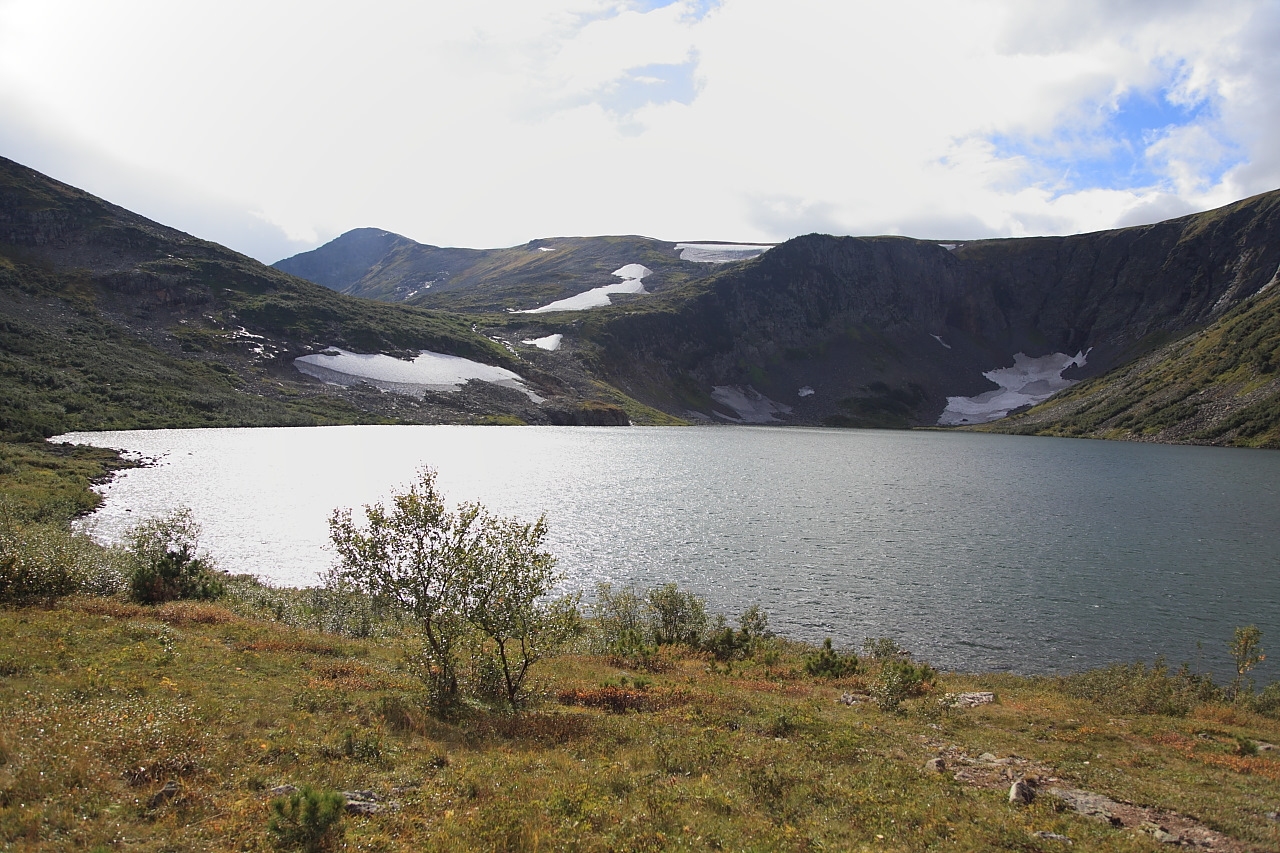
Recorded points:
(975,551)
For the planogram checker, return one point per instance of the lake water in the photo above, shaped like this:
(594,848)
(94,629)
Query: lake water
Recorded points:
(974,551)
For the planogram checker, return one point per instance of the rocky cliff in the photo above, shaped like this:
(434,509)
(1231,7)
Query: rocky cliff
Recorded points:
(108,319)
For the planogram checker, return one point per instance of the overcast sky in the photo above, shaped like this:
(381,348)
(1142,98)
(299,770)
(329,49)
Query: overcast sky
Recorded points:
(272,126)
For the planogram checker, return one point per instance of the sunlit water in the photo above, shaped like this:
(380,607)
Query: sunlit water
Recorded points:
(975,551)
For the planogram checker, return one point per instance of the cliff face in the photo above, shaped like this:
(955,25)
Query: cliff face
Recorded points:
(883,330)
(1172,326)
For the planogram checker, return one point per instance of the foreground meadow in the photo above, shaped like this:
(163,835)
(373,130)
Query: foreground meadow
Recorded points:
(174,727)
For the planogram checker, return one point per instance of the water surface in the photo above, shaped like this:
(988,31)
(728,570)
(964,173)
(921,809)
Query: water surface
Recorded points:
(975,551)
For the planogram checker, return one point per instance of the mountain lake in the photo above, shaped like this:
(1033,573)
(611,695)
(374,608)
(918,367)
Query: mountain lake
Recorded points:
(974,551)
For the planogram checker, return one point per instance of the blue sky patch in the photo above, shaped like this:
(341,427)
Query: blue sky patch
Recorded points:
(651,84)
(1110,152)
(697,9)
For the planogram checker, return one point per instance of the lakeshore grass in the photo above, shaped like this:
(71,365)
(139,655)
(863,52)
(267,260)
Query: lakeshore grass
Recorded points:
(166,728)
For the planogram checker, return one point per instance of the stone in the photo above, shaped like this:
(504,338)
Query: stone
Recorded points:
(935,765)
(1088,804)
(1052,836)
(1160,834)
(1023,791)
(987,757)
(168,792)
(974,699)
(366,803)
(283,790)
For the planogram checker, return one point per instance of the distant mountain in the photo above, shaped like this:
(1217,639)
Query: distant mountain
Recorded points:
(1163,332)
(381,265)
(109,320)
(889,331)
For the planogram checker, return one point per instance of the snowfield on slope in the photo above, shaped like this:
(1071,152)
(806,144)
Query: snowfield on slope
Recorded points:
(1029,381)
(632,276)
(430,371)
(719,253)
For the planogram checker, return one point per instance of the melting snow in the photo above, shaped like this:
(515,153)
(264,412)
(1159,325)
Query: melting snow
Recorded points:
(751,406)
(1029,381)
(941,341)
(719,253)
(632,276)
(550,343)
(430,371)
(806,391)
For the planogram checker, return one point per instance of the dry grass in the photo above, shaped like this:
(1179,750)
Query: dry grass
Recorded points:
(106,704)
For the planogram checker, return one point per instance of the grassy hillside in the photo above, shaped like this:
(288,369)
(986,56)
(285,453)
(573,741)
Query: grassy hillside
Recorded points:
(1220,385)
(173,728)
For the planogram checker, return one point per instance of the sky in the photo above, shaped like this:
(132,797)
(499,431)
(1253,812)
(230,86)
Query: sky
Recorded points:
(272,126)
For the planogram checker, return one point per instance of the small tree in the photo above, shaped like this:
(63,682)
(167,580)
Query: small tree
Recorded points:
(458,573)
(679,617)
(509,578)
(414,554)
(160,559)
(1246,653)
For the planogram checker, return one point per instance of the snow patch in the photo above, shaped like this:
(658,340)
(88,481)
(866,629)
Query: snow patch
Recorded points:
(719,253)
(636,271)
(551,343)
(750,405)
(941,341)
(632,276)
(806,391)
(951,247)
(430,371)
(1029,381)
(545,249)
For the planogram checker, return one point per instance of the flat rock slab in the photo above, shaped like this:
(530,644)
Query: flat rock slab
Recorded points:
(1164,827)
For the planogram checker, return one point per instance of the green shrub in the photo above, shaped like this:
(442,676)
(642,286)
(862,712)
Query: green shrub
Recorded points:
(41,561)
(473,582)
(307,819)
(174,576)
(1267,702)
(679,616)
(1138,689)
(621,619)
(726,644)
(159,558)
(826,663)
(899,679)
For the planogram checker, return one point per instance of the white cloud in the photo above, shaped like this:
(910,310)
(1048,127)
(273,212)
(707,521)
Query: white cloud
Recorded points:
(265,123)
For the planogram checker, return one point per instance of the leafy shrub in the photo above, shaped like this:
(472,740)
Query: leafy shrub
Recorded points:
(458,574)
(621,618)
(307,819)
(1267,702)
(826,663)
(899,679)
(159,557)
(679,616)
(174,576)
(1136,689)
(44,561)
(1246,653)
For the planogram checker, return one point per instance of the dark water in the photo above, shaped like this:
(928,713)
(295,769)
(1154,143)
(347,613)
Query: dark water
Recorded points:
(974,551)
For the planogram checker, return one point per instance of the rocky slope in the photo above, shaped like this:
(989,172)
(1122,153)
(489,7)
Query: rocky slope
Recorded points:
(108,319)
(381,265)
